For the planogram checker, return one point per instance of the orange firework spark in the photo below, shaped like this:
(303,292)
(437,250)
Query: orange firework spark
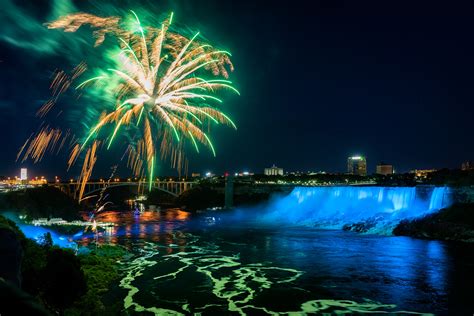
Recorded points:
(158,89)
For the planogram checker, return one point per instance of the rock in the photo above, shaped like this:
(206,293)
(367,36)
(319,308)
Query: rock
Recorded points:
(361,227)
(452,223)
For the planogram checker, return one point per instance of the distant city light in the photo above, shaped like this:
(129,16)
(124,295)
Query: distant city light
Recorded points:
(273,171)
(23,174)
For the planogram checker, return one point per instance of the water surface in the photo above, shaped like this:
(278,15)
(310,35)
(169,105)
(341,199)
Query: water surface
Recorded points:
(210,264)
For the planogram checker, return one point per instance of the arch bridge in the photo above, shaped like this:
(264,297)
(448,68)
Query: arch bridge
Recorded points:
(174,188)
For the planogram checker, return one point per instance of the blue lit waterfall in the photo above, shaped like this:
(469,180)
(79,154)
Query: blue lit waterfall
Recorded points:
(333,207)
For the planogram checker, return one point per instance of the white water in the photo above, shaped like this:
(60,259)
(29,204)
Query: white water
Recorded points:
(332,207)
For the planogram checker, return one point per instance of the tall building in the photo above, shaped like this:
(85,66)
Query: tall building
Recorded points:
(384,169)
(357,165)
(467,165)
(23,174)
(273,171)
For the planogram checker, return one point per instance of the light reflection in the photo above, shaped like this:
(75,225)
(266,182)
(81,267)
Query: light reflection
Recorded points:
(156,226)
(142,231)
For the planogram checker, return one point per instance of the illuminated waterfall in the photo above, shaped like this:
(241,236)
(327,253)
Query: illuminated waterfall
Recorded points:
(332,207)
(439,199)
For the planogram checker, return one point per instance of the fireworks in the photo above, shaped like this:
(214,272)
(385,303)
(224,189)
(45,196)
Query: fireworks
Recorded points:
(160,96)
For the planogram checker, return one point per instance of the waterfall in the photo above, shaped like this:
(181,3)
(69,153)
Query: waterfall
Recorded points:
(438,199)
(333,207)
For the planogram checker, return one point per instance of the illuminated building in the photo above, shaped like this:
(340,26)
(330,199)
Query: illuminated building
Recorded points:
(467,165)
(357,165)
(38,181)
(273,171)
(24,174)
(195,174)
(384,169)
(422,173)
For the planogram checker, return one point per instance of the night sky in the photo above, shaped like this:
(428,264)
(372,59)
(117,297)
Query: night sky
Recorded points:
(319,81)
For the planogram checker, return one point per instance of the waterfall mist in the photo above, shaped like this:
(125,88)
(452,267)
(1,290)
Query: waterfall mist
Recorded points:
(334,207)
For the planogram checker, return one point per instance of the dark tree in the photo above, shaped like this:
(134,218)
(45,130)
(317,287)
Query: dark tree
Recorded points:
(64,280)
(46,240)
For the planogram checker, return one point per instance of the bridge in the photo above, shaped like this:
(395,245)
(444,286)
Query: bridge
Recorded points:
(175,188)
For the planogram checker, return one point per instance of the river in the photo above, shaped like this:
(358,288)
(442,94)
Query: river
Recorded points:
(210,263)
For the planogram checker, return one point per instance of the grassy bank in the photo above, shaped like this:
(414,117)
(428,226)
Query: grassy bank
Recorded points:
(53,278)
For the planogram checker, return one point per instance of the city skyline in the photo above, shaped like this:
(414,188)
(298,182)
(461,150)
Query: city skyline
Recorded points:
(393,87)
(380,168)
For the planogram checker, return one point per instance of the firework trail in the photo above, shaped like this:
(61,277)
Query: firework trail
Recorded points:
(157,94)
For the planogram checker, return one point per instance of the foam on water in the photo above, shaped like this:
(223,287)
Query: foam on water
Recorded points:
(228,284)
